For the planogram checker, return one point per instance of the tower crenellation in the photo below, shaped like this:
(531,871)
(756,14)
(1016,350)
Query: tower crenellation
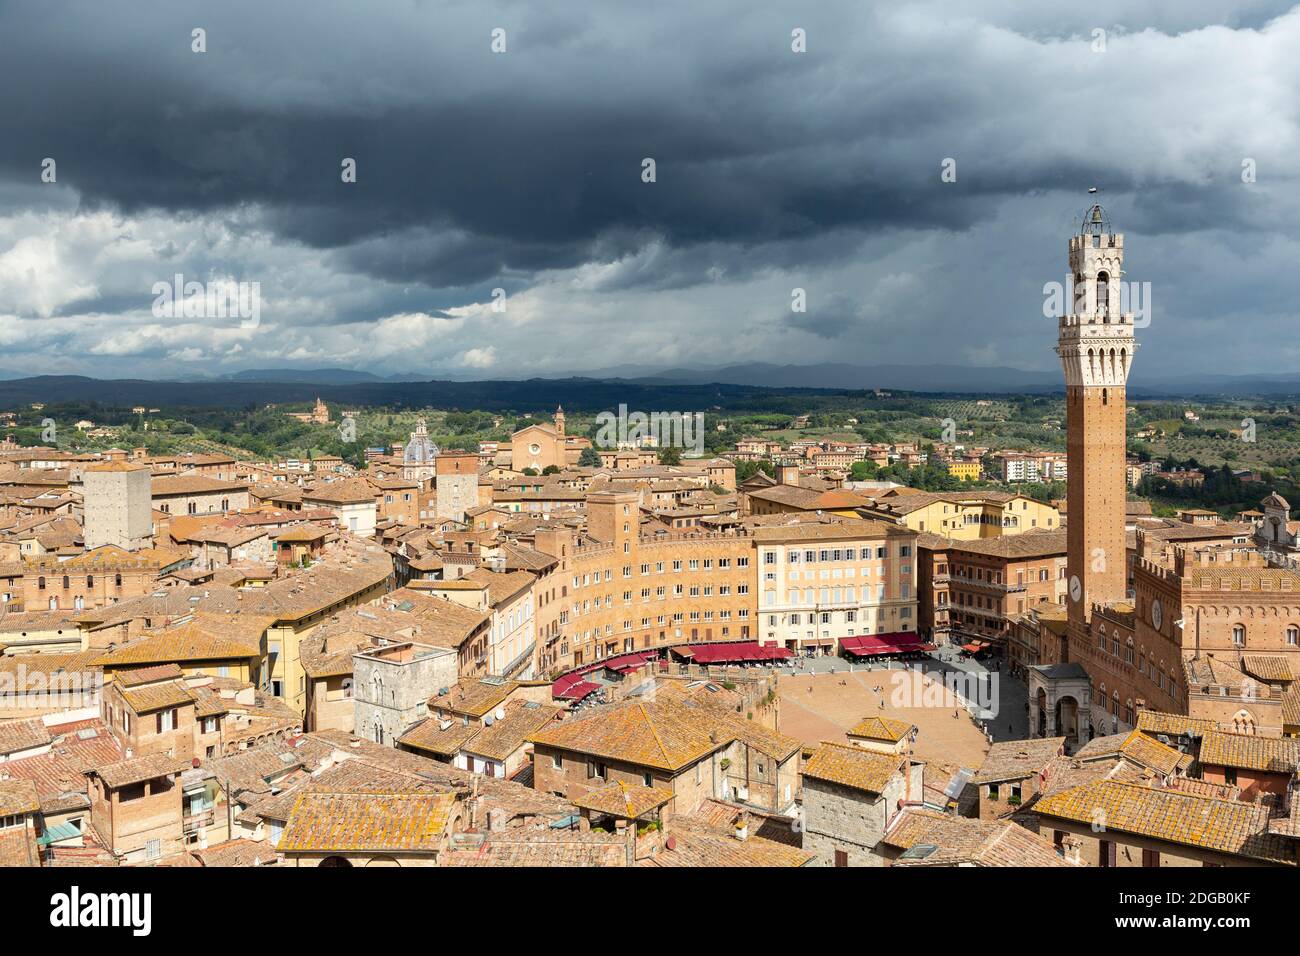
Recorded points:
(1095,340)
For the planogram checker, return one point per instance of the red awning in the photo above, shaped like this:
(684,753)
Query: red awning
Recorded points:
(733,652)
(626,662)
(868,645)
(575,690)
(872,645)
(575,686)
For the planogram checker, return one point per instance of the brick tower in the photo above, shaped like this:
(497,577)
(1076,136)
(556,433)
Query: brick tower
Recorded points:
(1096,346)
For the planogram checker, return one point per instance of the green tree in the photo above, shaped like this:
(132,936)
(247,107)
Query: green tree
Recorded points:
(670,456)
(863,470)
(590,458)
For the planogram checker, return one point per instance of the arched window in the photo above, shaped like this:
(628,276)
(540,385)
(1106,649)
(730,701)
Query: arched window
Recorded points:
(1243,722)
(1293,636)
(1103,296)
(1239,635)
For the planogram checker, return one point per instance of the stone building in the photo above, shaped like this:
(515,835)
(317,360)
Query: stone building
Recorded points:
(197,495)
(456,484)
(392,685)
(543,446)
(117,503)
(850,797)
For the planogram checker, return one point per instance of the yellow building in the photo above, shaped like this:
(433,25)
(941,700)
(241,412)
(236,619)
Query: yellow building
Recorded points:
(965,515)
(965,470)
(215,645)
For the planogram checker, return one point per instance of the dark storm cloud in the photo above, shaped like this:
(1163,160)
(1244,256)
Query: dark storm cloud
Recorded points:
(522,171)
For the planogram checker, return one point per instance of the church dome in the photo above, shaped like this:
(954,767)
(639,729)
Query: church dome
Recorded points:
(420,450)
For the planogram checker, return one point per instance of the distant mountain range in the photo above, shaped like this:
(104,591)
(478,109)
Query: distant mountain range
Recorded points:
(650,386)
(948,378)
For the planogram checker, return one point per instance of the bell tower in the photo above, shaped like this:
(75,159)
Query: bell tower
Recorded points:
(1096,345)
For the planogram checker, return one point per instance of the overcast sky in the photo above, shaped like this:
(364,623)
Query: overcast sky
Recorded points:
(523,171)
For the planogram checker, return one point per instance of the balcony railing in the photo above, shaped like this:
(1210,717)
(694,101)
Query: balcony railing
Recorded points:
(192,822)
(519,661)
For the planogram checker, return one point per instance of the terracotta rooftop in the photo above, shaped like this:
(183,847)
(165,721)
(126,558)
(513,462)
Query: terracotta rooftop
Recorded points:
(1158,722)
(661,735)
(1267,667)
(627,801)
(135,676)
(853,767)
(368,822)
(472,697)
(1139,748)
(939,840)
(430,737)
(1017,759)
(1248,752)
(238,852)
(507,735)
(882,728)
(549,848)
(18,796)
(695,842)
(18,735)
(204,638)
(1223,826)
(123,773)
(166,485)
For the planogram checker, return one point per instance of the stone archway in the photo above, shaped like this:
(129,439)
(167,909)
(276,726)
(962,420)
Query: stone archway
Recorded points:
(335,861)
(1059,702)
(1067,720)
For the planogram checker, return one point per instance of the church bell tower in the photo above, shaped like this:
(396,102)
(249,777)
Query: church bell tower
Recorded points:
(1096,345)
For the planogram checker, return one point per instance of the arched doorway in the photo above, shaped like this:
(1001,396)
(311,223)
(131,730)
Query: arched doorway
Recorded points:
(1067,720)
(335,861)
(1042,712)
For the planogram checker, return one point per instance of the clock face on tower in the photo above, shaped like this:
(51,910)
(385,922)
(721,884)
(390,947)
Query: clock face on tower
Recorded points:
(1157,614)
(1076,589)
